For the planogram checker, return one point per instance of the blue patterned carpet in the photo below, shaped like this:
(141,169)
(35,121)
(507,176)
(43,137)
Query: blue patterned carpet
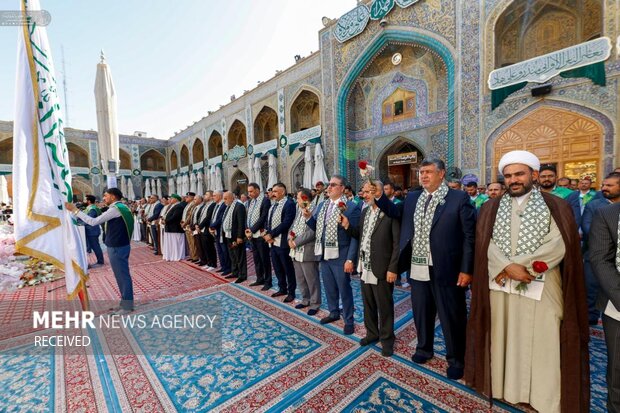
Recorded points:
(385,396)
(255,346)
(27,379)
(272,358)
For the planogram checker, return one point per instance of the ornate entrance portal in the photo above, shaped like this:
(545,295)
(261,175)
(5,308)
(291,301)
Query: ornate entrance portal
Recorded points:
(239,183)
(569,140)
(399,164)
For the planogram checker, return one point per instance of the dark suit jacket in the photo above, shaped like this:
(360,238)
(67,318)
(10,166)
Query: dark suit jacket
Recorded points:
(264,214)
(216,221)
(586,220)
(90,230)
(347,246)
(288,216)
(384,240)
(206,222)
(573,200)
(173,218)
(156,212)
(452,235)
(603,247)
(238,221)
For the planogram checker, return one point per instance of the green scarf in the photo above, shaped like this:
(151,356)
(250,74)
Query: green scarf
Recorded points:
(126,215)
(95,207)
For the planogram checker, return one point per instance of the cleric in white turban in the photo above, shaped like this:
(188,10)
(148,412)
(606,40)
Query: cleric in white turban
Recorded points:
(522,157)
(527,339)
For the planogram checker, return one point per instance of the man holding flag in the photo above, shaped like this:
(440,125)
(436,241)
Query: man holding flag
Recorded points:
(118,235)
(41,171)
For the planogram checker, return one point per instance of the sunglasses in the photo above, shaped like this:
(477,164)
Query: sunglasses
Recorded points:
(332,184)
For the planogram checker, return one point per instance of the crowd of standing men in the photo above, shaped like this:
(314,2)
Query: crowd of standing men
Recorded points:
(519,246)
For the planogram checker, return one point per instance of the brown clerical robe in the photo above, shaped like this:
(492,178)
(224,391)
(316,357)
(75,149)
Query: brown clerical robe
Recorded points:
(574,330)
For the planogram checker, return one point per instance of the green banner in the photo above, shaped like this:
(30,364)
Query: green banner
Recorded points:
(595,72)
(499,95)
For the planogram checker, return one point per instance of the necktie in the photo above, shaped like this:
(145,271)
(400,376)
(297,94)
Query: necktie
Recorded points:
(330,209)
(428,201)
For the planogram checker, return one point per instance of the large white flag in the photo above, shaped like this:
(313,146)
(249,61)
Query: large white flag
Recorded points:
(41,171)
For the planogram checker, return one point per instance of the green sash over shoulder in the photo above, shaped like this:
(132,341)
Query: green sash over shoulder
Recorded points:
(127,217)
(95,207)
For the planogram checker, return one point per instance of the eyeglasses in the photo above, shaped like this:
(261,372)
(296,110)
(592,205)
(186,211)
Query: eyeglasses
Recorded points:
(332,184)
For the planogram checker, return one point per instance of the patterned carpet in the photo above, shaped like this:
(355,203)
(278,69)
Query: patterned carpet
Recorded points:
(271,358)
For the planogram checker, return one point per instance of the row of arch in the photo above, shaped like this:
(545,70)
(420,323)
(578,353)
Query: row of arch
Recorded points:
(305,113)
(151,160)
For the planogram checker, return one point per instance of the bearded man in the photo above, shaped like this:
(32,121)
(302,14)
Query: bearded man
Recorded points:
(527,338)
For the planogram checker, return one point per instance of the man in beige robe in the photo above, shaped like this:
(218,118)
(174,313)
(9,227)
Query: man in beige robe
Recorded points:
(525,332)
(517,356)
(188,211)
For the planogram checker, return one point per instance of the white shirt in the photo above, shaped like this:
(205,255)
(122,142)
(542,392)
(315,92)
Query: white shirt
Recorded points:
(111,213)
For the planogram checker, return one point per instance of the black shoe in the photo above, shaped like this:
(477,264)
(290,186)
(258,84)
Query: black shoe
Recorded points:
(255,283)
(366,341)
(454,373)
(328,319)
(348,329)
(289,298)
(240,280)
(156,253)
(300,306)
(200,264)
(312,311)
(225,274)
(278,294)
(266,288)
(420,359)
(387,351)
(230,276)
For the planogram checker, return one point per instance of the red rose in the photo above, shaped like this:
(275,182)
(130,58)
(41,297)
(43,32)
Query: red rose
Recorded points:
(292,234)
(540,266)
(363,164)
(304,198)
(342,206)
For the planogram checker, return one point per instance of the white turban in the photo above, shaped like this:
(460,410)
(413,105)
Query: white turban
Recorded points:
(522,157)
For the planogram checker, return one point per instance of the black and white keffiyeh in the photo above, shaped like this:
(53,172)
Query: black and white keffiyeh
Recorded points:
(535,224)
(228,217)
(364,268)
(329,226)
(254,210)
(299,227)
(422,223)
(275,216)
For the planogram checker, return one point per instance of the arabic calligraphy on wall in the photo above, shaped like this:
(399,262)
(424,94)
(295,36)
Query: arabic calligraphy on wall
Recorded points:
(354,22)
(542,68)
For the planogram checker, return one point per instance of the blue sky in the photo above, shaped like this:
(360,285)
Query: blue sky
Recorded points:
(171,60)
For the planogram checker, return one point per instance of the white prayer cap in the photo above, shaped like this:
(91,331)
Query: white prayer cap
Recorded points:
(522,157)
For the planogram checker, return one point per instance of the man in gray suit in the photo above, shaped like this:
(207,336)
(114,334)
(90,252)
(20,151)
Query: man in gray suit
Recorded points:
(301,240)
(378,237)
(605,259)
(610,191)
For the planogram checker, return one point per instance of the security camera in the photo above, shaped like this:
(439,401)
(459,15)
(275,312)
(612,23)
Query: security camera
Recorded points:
(383,23)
